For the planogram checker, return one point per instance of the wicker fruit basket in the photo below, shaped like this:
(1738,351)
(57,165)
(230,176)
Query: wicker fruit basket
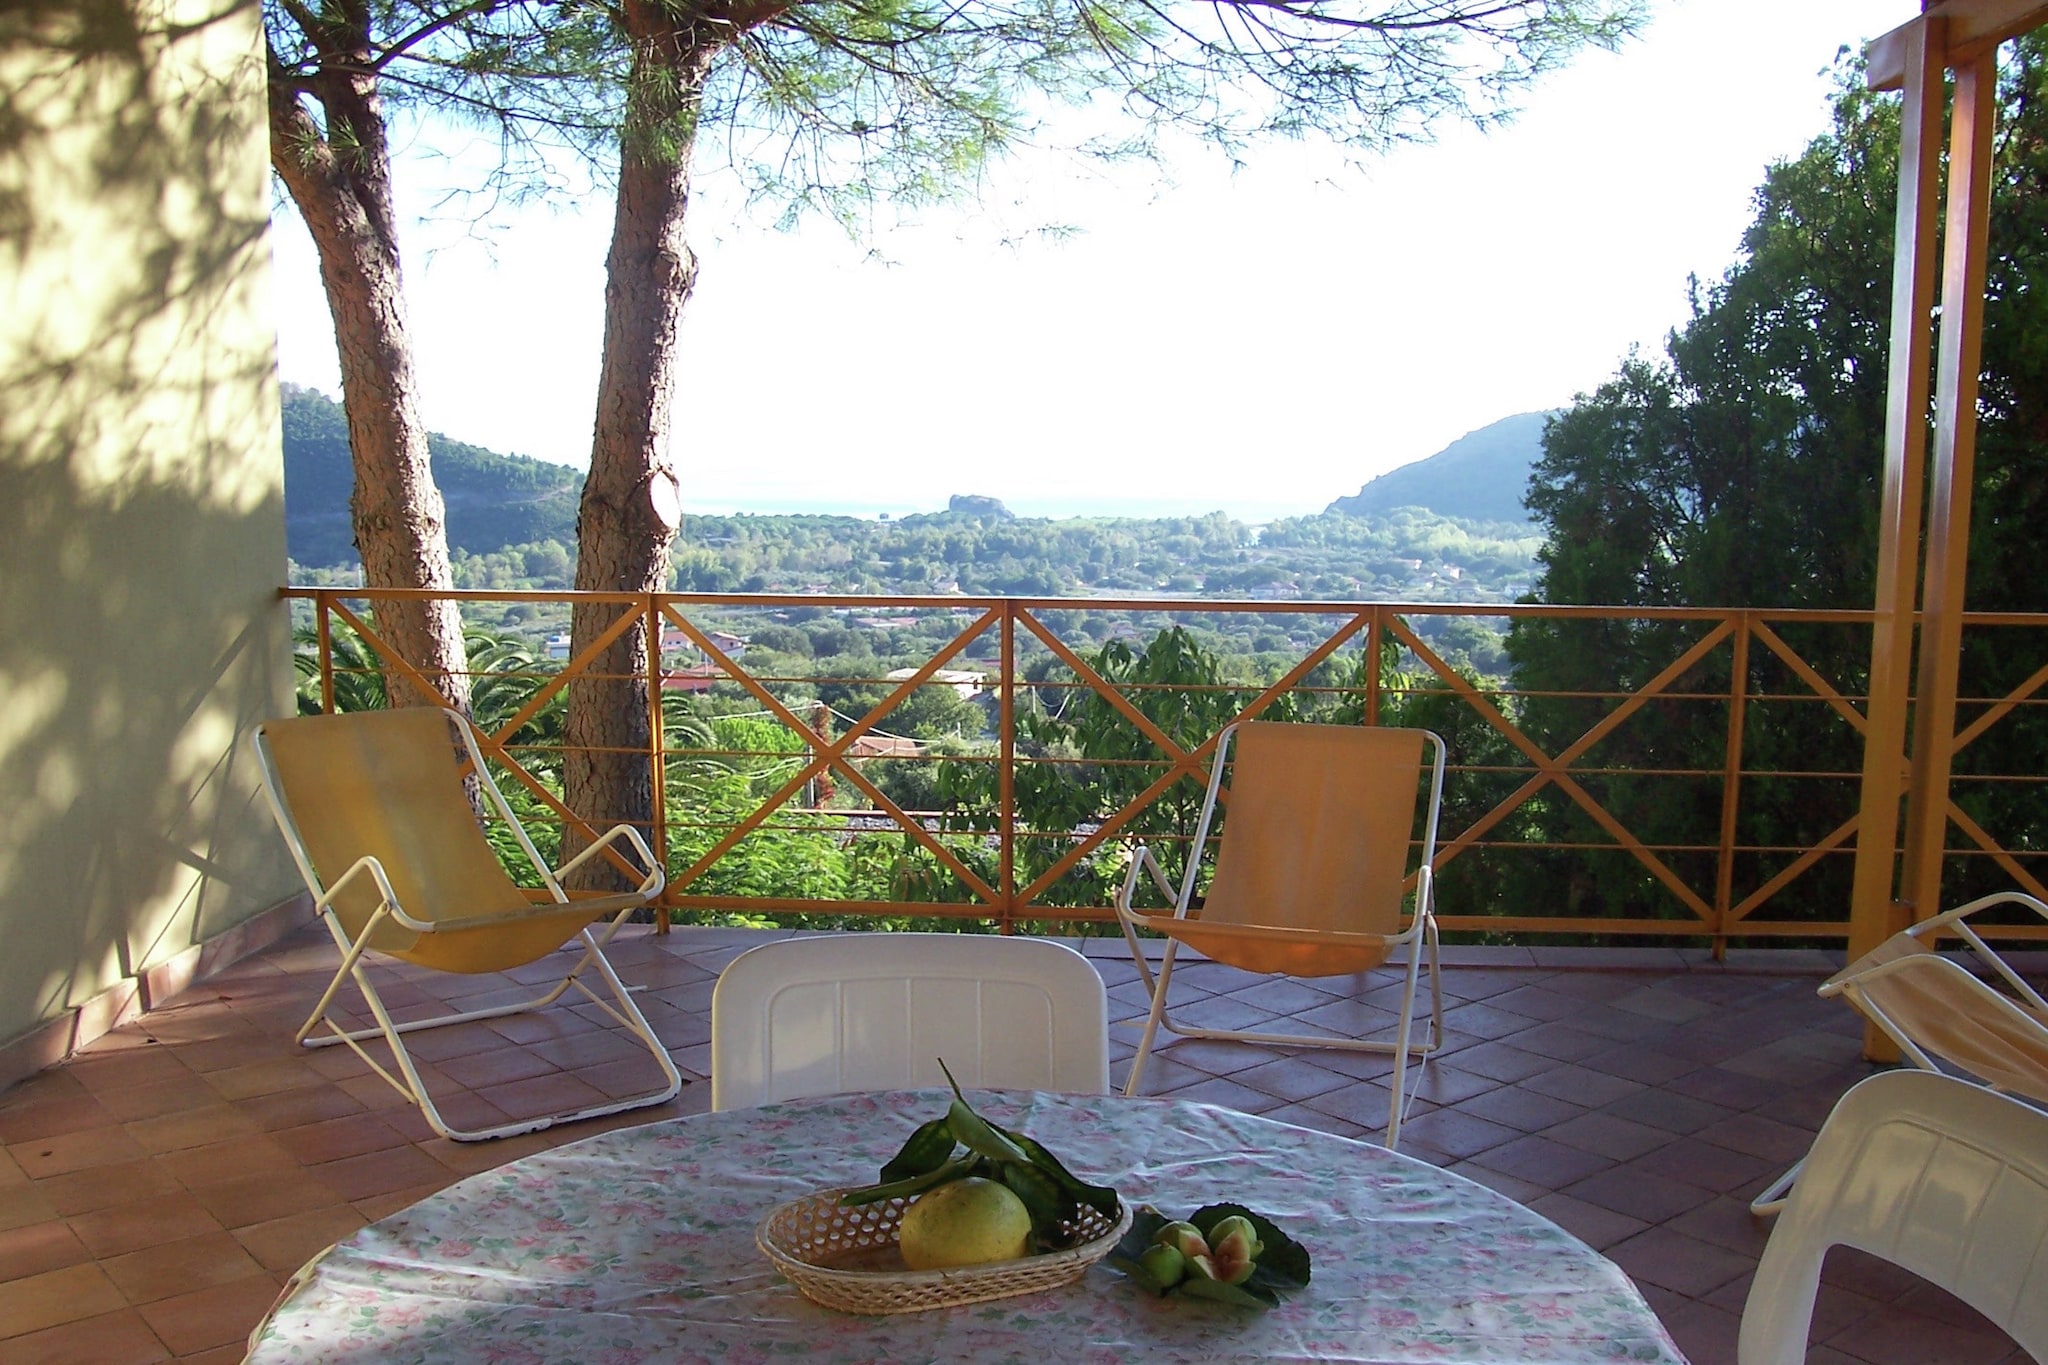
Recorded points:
(846,1258)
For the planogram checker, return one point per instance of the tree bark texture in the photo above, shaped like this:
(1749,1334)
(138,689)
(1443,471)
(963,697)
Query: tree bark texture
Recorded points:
(339,176)
(631,503)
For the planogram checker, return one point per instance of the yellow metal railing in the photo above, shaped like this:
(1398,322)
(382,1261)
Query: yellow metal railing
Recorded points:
(1576,779)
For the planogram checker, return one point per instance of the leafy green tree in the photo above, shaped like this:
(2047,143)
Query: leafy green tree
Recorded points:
(1740,469)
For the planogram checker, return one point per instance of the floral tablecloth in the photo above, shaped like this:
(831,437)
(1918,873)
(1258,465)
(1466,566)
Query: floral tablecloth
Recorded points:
(638,1245)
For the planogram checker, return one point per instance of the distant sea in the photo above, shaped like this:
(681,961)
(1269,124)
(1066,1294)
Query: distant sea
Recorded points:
(1251,511)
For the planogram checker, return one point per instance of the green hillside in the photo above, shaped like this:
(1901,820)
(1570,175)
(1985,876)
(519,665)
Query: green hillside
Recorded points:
(512,525)
(1481,476)
(494,501)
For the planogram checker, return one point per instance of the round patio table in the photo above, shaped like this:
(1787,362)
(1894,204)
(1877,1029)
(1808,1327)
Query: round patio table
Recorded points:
(638,1245)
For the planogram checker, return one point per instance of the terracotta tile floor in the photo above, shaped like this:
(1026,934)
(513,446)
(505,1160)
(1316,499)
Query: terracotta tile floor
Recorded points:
(157,1190)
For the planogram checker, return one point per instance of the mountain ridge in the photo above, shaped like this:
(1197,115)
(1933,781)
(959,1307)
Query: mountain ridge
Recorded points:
(496,502)
(492,500)
(1481,476)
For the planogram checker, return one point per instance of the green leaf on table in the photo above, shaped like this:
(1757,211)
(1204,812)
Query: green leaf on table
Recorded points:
(913,1185)
(1051,1193)
(978,1135)
(1041,1196)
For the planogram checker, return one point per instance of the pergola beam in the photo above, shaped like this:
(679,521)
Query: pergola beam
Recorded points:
(1974,27)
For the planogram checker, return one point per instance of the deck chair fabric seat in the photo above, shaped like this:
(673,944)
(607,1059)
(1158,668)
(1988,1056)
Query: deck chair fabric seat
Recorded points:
(384,776)
(375,809)
(1299,885)
(1310,875)
(1937,1006)
(1945,1016)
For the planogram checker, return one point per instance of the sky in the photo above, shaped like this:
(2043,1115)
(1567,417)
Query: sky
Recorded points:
(1257,341)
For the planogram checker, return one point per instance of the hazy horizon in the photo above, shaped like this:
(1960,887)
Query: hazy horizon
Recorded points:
(1251,510)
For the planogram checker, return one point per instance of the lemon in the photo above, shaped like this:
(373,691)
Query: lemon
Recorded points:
(964,1222)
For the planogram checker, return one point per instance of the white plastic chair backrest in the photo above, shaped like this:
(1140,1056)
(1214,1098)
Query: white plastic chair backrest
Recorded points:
(827,1014)
(1944,1178)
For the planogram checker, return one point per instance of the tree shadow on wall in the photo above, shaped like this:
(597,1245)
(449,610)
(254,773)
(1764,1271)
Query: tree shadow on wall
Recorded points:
(141,512)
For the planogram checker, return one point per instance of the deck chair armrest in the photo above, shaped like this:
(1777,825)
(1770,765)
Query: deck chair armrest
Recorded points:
(1142,861)
(649,885)
(367,865)
(1956,922)
(1953,918)
(1173,926)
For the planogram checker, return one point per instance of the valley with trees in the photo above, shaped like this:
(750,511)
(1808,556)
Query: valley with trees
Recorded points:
(835,108)
(512,527)
(1736,468)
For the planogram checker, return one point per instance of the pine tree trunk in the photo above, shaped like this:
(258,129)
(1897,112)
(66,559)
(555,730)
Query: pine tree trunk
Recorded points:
(346,200)
(631,498)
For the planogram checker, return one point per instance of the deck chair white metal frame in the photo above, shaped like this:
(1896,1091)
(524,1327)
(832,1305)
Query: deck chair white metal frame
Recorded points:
(1416,944)
(1944,1178)
(395,923)
(1982,1010)
(829,1013)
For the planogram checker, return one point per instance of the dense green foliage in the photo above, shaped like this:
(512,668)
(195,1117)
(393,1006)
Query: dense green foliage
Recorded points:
(1741,468)
(1411,555)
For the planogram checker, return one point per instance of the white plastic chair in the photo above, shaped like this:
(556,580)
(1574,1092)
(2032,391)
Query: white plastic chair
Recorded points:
(1944,1178)
(827,1014)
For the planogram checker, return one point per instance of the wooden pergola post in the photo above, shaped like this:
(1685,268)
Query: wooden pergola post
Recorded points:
(1891,891)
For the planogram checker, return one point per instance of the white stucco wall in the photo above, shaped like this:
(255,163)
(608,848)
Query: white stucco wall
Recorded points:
(141,493)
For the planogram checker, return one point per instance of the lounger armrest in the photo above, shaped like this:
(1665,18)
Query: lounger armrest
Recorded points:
(650,885)
(367,865)
(1956,922)
(1948,918)
(1142,861)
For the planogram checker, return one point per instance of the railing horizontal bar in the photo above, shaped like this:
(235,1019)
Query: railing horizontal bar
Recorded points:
(1161,605)
(799,906)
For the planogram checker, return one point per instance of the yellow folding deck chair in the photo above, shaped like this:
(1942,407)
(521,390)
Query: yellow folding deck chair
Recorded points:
(1937,1010)
(1310,877)
(375,811)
